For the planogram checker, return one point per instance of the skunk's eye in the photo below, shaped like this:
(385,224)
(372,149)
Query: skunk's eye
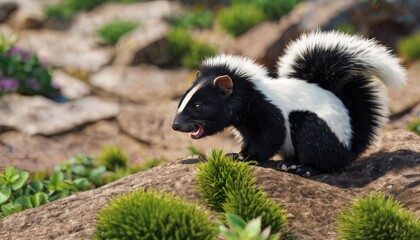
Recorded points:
(197,106)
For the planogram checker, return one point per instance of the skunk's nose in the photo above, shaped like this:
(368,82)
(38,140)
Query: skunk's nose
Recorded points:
(176,126)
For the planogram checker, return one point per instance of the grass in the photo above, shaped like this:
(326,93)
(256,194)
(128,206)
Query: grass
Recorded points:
(414,126)
(195,18)
(111,32)
(238,19)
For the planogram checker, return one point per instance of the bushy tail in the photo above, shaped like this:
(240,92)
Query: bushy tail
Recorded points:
(347,66)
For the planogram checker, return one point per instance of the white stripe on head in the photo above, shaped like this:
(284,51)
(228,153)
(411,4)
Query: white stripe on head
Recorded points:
(188,97)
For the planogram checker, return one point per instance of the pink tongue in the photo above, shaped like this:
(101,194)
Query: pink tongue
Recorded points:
(197,133)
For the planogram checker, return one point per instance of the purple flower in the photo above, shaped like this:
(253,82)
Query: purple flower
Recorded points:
(9,84)
(24,55)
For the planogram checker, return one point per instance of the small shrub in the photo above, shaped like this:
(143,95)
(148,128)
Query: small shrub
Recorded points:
(193,19)
(185,50)
(214,175)
(252,202)
(240,230)
(110,33)
(113,158)
(237,19)
(151,215)
(414,126)
(273,9)
(67,8)
(375,217)
(409,47)
(22,72)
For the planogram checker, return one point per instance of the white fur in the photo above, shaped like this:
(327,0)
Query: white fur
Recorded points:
(188,97)
(369,52)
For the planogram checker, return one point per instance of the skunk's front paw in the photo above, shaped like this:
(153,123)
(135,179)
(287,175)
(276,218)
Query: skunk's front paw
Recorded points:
(235,156)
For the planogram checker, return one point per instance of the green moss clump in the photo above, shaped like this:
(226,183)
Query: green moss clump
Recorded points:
(238,19)
(377,217)
(113,158)
(414,126)
(214,176)
(185,50)
(252,202)
(111,32)
(273,9)
(346,28)
(151,215)
(409,47)
(228,186)
(193,19)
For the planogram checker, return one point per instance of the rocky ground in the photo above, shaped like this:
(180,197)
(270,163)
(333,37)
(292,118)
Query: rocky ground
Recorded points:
(126,96)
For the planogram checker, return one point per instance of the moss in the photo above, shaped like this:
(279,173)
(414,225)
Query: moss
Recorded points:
(214,175)
(113,158)
(238,19)
(185,50)
(272,9)
(409,47)
(111,32)
(150,215)
(346,28)
(414,126)
(377,217)
(228,186)
(193,19)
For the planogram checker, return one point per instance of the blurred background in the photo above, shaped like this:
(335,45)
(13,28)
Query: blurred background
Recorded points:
(80,75)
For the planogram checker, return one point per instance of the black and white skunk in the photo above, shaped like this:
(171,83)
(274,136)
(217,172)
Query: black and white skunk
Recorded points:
(325,108)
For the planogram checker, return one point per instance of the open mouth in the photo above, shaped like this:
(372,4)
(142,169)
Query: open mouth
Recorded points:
(198,133)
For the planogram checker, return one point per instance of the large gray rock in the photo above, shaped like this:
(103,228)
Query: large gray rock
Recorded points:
(70,87)
(143,83)
(29,13)
(313,204)
(63,49)
(38,115)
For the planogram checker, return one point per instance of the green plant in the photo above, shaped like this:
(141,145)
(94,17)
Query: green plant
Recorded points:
(346,28)
(111,32)
(22,72)
(377,217)
(67,8)
(409,47)
(187,51)
(240,230)
(11,180)
(113,158)
(214,175)
(273,10)
(193,19)
(151,215)
(237,19)
(251,202)
(414,126)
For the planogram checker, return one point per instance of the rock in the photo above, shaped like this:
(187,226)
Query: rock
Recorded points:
(29,15)
(307,16)
(70,87)
(38,115)
(38,153)
(6,9)
(314,203)
(30,153)
(143,83)
(403,119)
(152,124)
(145,45)
(146,14)
(65,50)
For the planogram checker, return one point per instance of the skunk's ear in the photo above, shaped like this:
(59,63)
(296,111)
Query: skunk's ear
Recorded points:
(224,84)
(197,74)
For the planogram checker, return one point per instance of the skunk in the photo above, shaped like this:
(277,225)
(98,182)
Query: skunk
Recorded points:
(324,109)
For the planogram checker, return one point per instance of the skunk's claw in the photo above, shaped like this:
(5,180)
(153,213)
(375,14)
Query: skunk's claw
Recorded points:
(235,156)
(292,166)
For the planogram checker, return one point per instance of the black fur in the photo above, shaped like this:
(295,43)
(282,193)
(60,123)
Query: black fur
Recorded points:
(316,145)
